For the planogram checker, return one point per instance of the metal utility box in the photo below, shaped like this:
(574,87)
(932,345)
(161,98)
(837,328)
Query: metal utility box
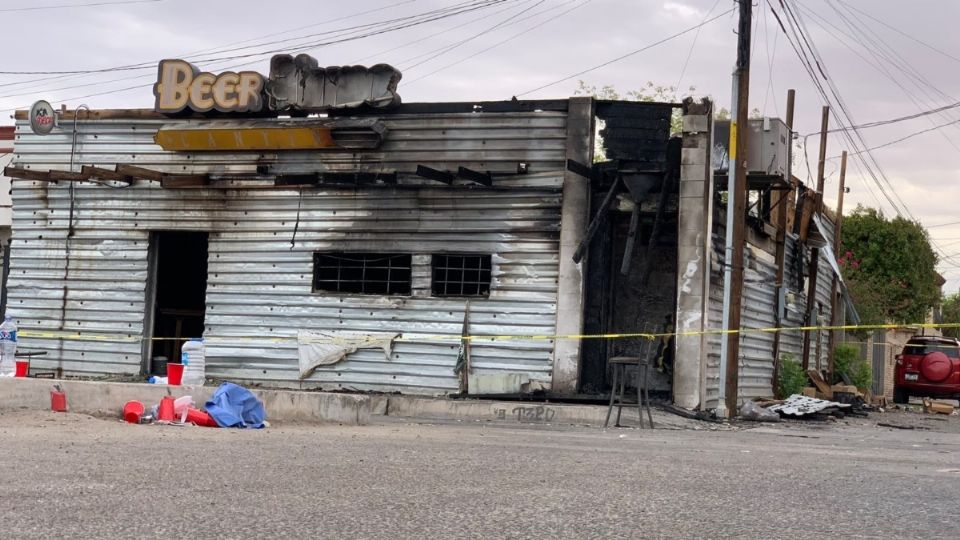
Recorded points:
(768,147)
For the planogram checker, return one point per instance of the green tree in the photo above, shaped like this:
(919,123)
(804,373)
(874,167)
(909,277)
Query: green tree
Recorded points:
(950,314)
(890,267)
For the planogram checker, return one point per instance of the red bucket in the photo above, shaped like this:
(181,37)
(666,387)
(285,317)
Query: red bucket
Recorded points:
(22,368)
(165,410)
(200,418)
(174,374)
(132,411)
(58,401)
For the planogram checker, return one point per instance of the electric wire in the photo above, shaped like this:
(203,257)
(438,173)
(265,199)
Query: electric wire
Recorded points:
(629,54)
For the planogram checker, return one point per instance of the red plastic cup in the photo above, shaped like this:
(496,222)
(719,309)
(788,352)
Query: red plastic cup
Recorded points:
(22,368)
(165,410)
(58,401)
(132,411)
(200,418)
(174,374)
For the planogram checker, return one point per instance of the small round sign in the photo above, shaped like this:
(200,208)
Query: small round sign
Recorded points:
(42,117)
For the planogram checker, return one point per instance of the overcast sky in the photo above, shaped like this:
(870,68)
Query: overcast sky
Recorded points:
(520,45)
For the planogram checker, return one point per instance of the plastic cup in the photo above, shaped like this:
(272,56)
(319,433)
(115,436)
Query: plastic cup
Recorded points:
(200,418)
(132,411)
(174,373)
(22,368)
(165,410)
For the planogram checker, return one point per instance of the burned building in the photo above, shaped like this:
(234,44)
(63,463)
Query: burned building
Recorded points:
(357,243)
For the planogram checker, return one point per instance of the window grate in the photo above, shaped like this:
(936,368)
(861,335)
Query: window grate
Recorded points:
(362,273)
(461,275)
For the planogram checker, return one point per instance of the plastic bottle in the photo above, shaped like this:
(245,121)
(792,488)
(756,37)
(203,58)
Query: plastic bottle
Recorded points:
(8,346)
(194,364)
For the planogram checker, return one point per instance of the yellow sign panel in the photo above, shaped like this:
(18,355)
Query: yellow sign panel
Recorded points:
(733,144)
(244,139)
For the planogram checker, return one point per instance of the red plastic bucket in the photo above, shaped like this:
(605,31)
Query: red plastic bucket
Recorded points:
(200,418)
(165,410)
(22,368)
(132,411)
(174,374)
(58,401)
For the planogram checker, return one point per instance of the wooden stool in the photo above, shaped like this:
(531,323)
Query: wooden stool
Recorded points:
(620,364)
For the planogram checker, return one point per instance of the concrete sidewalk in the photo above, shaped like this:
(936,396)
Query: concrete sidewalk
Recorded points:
(107,398)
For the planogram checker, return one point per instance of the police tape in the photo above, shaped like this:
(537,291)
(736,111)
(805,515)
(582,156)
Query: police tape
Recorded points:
(414,337)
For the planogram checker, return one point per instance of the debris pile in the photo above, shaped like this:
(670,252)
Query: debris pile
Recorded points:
(230,406)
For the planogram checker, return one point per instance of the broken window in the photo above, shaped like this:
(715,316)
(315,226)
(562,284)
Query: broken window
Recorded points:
(362,273)
(461,275)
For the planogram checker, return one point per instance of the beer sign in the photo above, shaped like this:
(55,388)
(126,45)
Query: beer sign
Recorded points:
(180,85)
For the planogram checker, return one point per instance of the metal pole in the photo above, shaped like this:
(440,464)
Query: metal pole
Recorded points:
(736,210)
(835,303)
(783,207)
(815,252)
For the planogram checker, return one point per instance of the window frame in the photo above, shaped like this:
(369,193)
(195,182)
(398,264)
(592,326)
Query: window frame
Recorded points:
(483,268)
(367,257)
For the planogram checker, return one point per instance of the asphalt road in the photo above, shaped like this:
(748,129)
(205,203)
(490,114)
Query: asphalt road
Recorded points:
(79,477)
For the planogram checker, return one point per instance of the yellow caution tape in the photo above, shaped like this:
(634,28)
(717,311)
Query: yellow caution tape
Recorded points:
(81,336)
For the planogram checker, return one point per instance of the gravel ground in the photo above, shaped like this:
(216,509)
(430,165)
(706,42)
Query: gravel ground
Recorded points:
(71,475)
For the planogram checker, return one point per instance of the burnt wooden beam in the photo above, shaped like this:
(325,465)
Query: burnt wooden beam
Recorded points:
(597,221)
(434,174)
(172,181)
(139,172)
(27,174)
(580,169)
(474,176)
(105,174)
(68,176)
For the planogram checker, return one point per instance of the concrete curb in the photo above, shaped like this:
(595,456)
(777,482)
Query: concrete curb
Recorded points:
(107,398)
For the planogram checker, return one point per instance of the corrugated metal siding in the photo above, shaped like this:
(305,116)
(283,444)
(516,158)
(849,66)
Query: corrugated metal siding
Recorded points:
(758,311)
(259,286)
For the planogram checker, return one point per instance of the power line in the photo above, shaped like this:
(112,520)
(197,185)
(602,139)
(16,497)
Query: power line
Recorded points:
(377,28)
(693,45)
(901,32)
(509,38)
(465,7)
(444,50)
(631,53)
(69,6)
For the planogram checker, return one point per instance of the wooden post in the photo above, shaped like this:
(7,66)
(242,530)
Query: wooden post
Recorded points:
(783,207)
(835,303)
(815,252)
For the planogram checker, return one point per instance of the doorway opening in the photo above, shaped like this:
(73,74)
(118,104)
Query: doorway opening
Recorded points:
(176,298)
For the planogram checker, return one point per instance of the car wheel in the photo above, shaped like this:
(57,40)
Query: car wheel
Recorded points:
(901,396)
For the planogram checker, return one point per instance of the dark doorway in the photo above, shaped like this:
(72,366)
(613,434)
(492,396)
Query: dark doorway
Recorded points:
(178,288)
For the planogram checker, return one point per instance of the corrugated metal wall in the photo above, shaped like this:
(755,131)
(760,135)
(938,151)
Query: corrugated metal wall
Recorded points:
(758,311)
(259,290)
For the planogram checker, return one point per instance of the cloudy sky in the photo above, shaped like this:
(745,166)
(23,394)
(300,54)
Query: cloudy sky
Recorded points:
(886,58)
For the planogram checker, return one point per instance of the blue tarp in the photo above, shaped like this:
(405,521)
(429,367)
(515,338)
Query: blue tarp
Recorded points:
(235,406)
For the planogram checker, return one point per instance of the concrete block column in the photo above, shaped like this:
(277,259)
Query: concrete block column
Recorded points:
(574,218)
(693,252)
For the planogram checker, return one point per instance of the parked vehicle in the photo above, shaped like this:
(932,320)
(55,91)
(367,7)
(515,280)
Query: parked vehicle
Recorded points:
(929,366)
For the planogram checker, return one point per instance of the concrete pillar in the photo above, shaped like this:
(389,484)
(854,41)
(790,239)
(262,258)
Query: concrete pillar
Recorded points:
(574,218)
(693,252)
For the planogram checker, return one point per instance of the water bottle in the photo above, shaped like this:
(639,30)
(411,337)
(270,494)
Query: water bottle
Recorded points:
(8,346)
(194,365)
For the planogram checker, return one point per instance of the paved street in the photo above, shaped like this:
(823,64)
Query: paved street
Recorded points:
(77,476)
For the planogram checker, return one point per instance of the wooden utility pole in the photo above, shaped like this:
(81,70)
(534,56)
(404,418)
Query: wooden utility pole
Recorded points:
(783,206)
(815,252)
(835,303)
(736,213)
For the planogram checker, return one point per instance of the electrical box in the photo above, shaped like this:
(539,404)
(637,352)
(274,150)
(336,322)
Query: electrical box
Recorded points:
(768,147)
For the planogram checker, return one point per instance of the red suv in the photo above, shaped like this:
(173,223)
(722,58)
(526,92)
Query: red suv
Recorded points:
(930,367)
